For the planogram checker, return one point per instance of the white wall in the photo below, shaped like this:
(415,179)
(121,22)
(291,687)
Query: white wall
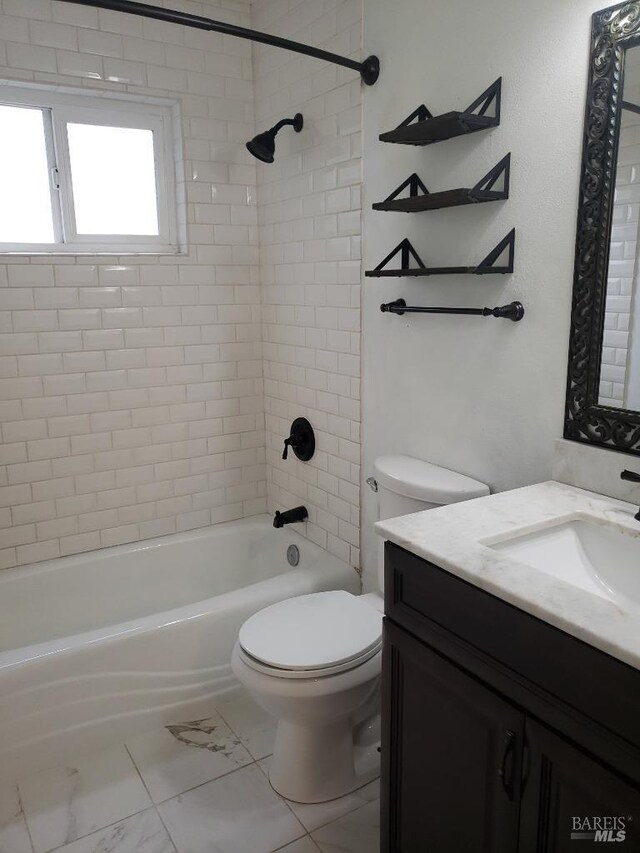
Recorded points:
(309,214)
(596,469)
(131,388)
(481,396)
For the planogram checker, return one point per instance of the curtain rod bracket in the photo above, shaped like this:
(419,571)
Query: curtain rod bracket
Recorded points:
(370,70)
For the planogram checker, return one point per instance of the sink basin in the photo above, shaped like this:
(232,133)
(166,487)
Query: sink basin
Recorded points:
(599,559)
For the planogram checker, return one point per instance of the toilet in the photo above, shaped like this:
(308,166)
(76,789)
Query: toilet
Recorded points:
(314,661)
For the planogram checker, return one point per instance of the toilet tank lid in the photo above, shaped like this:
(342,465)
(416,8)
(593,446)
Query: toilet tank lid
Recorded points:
(415,478)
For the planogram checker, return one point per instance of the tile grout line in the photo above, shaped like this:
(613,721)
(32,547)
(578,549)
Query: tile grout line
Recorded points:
(284,846)
(280,797)
(352,812)
(95,831)
(255,762)
(155,808)
(24,818)
(265,774)
(202,784)
(166,828)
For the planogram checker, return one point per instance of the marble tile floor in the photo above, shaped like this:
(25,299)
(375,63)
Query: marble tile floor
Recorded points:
(193,787)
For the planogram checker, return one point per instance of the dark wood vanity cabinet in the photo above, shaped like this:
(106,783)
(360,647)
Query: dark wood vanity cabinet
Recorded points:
(454,755)
(491,743)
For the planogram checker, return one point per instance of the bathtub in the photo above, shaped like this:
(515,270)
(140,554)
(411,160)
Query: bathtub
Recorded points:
(99,646)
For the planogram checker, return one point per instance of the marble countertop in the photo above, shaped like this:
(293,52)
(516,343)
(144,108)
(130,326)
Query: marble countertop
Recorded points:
(455,538)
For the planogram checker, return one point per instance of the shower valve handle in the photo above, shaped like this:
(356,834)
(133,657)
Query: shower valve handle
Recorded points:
(293,441)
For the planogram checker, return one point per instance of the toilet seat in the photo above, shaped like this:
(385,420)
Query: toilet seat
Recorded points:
(274,672)
(312,635)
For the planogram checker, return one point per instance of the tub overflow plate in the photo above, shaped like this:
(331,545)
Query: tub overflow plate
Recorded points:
(293,555)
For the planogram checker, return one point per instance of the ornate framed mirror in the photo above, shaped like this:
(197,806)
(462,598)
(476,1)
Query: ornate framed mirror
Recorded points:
(603,387)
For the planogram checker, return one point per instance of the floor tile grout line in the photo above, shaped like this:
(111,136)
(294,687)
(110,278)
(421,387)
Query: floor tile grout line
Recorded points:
(349,811)
(293,841)
(325,825)
(93,831)
(166,829)
(155,807)
(202,784)
(329,822)
(237,734)
(100,829)
(281,798)
(305,831)
(137,769)
(24,818)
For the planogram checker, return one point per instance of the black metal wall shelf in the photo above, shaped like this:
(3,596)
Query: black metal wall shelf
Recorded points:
(420,199)
(513,311)
(407,252)
(429,129)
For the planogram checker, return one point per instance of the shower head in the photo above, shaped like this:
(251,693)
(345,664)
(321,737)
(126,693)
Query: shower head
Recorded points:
(263,146)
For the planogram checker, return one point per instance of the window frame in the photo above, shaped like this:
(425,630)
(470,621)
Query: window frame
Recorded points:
(60,108)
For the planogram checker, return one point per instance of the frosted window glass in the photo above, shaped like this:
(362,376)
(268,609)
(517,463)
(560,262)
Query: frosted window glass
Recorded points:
(25,197)
(114,179)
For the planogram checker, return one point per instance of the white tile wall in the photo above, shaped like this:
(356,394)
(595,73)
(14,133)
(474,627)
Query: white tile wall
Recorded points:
(622,263)
(620,349)
(310,252)
(131,388)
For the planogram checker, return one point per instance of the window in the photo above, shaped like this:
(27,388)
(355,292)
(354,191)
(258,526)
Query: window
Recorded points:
(85,174)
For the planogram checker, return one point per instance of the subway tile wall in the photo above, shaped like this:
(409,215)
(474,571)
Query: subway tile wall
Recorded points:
(614,374)
(310,263)
(131,387)
(621,349)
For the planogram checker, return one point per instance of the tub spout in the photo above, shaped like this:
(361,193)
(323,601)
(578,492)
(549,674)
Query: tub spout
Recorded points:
(298,513)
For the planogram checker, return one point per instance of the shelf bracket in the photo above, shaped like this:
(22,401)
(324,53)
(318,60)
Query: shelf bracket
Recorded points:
(406,252)
(421,114)
(491,97)
(484,189)
(488,264)
(416,188)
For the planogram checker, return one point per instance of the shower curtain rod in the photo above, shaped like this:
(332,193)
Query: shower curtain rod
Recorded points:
(368,70)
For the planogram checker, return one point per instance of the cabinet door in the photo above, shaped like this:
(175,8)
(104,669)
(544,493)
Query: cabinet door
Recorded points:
(451,756)
(565,790)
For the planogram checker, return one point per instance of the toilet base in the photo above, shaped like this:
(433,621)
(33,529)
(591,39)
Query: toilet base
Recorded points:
(313,764)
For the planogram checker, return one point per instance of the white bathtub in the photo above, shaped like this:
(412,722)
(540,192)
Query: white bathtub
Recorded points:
(96,647)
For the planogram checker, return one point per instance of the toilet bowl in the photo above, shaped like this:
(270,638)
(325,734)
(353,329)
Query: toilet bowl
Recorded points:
(314,661)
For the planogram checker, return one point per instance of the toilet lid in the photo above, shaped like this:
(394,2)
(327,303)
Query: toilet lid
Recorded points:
(311,632)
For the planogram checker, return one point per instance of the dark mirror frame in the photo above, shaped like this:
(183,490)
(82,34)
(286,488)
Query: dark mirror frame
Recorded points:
(613,30)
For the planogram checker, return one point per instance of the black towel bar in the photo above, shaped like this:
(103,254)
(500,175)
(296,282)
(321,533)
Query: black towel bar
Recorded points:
(513,311)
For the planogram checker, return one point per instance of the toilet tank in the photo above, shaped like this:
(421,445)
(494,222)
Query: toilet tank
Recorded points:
(408,485)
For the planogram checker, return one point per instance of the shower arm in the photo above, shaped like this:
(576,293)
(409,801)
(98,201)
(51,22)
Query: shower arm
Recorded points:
(368,70)
(282,123)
